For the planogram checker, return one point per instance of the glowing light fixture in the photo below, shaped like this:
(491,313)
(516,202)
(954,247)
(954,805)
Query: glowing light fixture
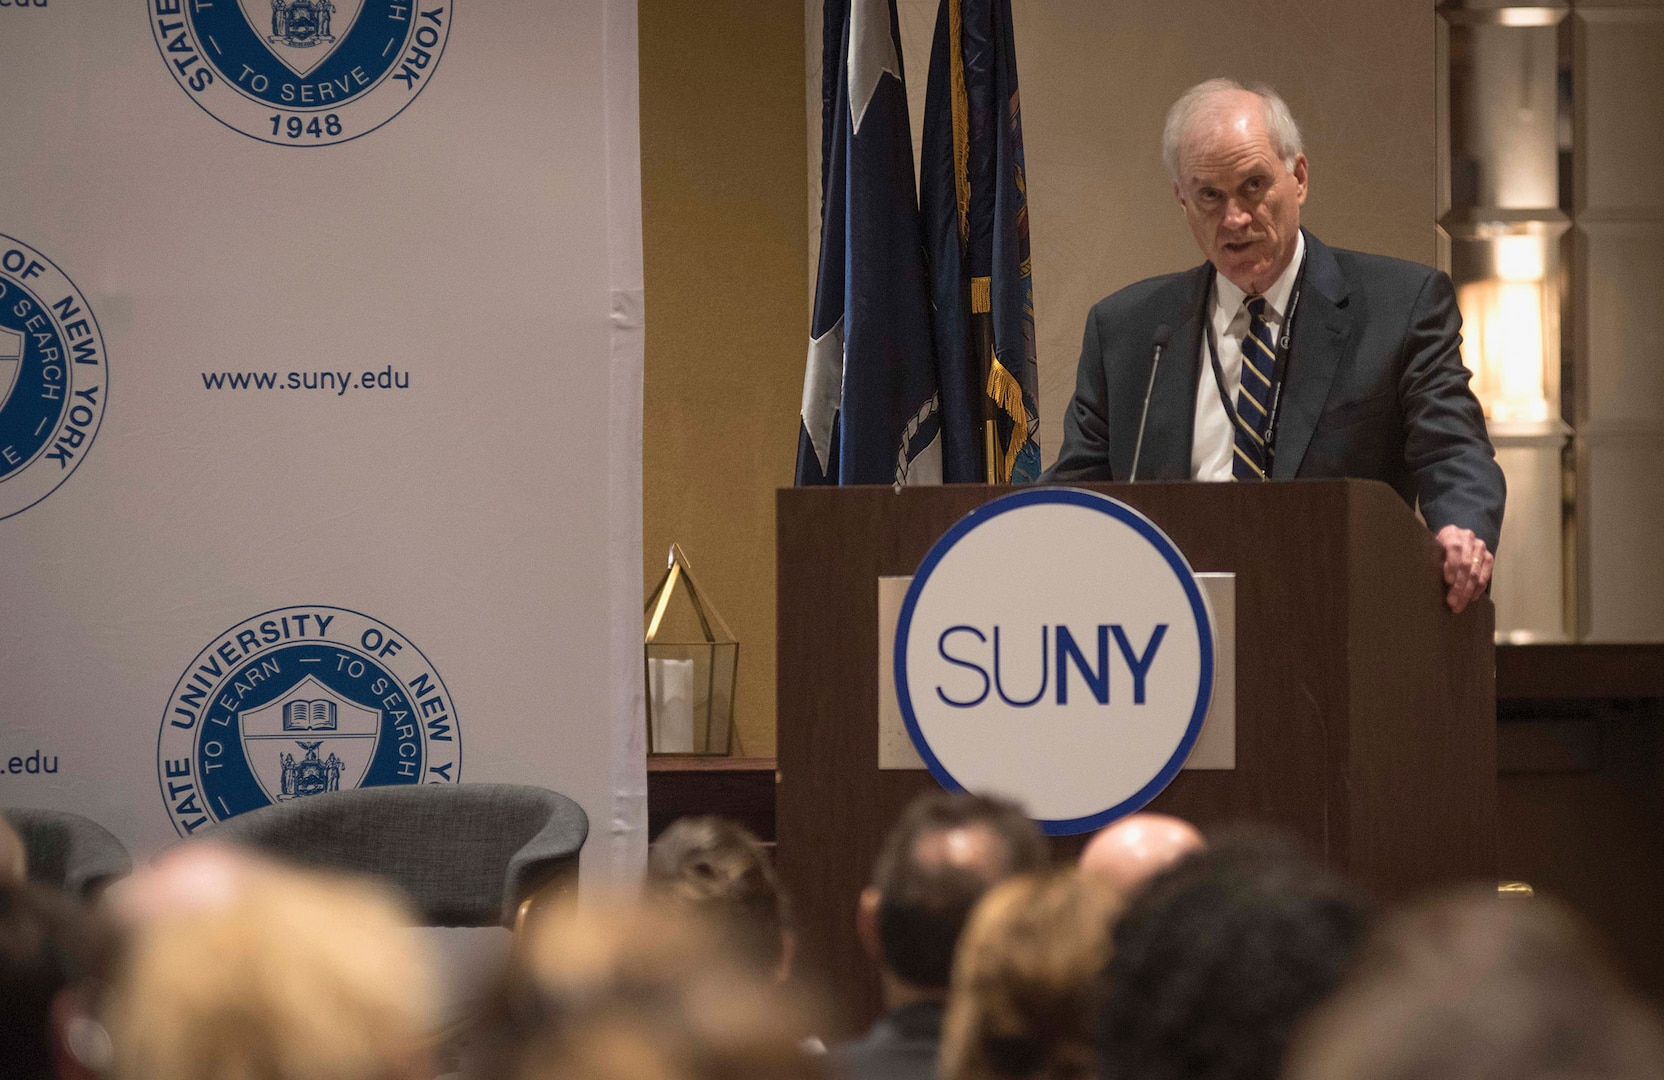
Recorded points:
(1505,331)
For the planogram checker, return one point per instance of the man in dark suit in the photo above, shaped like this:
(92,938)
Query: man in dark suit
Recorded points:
(1284,357)
(947,850)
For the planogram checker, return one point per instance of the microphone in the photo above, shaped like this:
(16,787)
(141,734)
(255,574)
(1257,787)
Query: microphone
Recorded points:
(1163,335)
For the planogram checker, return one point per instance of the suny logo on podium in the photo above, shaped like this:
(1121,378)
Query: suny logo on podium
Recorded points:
(52,377)
(298,702)
(301,72)
(1055,647)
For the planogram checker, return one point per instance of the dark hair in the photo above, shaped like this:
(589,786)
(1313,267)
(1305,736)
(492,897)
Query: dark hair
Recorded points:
(719,868)
(1217,959)
(924,902)
(49,943)
(1470,987)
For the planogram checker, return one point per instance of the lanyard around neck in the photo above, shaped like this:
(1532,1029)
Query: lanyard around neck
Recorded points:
(1279,364)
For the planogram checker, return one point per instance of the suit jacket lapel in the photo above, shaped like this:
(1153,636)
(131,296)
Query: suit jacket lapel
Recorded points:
(1322,327)
(1167,436)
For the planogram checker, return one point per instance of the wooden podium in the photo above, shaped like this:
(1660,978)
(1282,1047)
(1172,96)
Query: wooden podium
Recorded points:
(1365,710)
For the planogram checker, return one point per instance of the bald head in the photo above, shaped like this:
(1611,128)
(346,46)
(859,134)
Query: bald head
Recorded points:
(1133,850)
(973,848)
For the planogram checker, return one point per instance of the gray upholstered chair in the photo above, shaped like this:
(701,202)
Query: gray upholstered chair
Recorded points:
(465,854)
(68,851)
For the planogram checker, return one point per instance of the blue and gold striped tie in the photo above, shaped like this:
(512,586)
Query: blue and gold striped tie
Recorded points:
(1253,402)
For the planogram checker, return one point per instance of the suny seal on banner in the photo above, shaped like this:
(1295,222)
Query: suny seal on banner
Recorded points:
(296,702)
(52,377)
(301,72)
(1055,647)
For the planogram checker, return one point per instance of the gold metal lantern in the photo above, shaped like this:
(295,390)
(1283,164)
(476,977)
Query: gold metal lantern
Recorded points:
(690,684)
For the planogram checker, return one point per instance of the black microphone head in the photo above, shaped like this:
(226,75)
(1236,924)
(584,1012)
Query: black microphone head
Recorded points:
(1164,334)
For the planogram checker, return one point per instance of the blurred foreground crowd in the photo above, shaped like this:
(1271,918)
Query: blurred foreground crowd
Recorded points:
(1160,955)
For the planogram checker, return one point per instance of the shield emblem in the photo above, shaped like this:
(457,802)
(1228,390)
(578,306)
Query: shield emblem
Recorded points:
(310,740)
(11,362)
(301,33)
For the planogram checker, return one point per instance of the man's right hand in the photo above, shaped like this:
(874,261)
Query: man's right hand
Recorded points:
(1467,565)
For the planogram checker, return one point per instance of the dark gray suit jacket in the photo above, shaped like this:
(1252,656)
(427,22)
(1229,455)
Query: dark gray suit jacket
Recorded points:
(901,1046)
(1375,387)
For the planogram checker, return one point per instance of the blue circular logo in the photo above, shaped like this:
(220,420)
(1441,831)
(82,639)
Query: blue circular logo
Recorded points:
(301,72)
(1056,648)
(296,702)
(52,377)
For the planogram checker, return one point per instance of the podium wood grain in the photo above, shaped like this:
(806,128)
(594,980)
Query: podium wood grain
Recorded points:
(1365,709)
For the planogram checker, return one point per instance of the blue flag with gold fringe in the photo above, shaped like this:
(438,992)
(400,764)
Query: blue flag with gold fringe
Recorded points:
(870,410)
(973,197)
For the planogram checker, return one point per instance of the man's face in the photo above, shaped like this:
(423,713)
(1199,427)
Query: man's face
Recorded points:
(1242,202)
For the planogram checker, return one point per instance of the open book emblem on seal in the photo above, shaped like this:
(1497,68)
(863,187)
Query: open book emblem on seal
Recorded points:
(308,741)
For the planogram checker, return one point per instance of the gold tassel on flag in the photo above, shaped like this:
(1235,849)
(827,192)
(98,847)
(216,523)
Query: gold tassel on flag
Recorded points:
(1005,391)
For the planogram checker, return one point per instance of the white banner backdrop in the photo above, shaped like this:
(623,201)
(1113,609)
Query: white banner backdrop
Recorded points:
(320,382)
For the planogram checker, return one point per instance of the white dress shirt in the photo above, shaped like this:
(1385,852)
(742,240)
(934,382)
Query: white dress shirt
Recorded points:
(1212,448)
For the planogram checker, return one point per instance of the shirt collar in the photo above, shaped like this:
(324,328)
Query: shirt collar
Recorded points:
(1227,298)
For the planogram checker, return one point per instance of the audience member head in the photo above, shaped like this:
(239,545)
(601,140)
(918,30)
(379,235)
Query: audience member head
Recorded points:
(1467,987)
(242,970)
(52,948)
(14,857)
(1021,1006)
(192,878)
(718,867)
(947,850)
(1133,850)
(626,991)
(1216,960)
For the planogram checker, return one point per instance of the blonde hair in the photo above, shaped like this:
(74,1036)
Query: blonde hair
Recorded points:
(290,976)
(1020,1004)
(617,990)
(14,858)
